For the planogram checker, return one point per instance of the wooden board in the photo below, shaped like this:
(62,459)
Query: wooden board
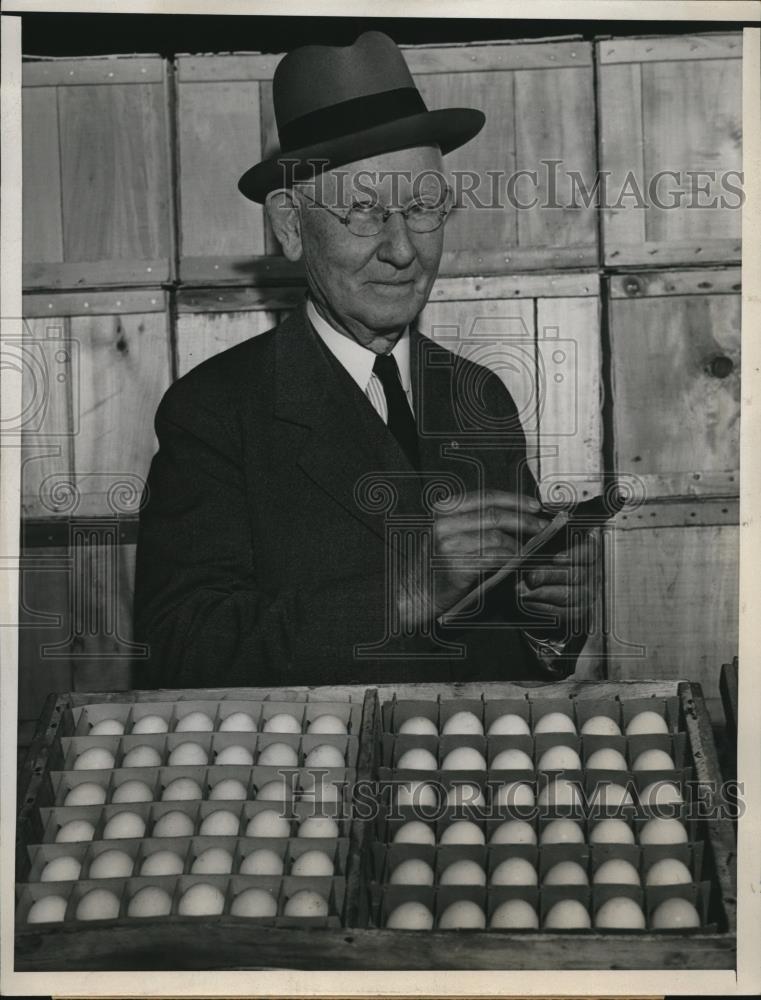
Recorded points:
(671,104)
(200,336)
(41,159)
(676,387)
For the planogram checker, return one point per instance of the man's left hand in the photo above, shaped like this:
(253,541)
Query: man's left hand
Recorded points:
(563,588)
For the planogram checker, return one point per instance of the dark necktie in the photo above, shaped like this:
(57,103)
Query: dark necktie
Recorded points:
(401,422)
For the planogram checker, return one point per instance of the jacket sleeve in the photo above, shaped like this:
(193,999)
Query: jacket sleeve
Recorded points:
(200,606)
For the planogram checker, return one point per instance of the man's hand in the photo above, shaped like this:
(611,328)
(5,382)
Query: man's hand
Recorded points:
(562,588)
(482,534)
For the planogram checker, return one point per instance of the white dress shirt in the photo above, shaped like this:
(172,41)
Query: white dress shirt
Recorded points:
(358,361)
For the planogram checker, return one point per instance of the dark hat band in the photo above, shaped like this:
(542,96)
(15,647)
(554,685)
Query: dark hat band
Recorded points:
(350,116)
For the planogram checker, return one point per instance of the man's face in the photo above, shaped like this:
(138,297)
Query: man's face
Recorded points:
(372,286)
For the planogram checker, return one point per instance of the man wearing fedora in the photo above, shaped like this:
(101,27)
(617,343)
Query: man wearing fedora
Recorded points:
(323,493)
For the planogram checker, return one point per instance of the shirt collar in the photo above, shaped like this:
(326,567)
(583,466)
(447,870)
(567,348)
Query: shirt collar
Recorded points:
(356,359)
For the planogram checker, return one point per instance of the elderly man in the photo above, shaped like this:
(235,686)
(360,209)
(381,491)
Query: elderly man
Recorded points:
(323,492)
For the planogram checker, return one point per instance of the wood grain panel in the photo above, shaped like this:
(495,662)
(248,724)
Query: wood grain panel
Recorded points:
(201,336)
(49,385)
(676,374)
(219,137)
(114,164)
(124,371)
(554,121)
(41,212)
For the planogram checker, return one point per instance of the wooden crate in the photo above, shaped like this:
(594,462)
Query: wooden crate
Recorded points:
(670,104)
(227,943)
(97,202)
(539,103)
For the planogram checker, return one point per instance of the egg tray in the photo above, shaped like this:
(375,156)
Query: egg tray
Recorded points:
(363,851)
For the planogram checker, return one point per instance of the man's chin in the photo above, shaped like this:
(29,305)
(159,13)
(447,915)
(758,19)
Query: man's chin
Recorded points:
(388,308)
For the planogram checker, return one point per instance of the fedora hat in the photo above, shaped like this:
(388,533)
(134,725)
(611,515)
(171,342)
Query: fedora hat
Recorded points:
(337,104)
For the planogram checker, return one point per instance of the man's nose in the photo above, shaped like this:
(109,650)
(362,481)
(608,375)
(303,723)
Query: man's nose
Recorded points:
(396,247)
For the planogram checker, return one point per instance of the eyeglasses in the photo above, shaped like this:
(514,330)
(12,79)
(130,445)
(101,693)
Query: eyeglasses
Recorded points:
(369,218)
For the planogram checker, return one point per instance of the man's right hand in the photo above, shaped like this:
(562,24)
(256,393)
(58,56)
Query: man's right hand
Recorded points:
(481,535)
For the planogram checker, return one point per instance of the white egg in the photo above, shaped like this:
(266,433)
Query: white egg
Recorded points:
(173,824)
(561,792)
(194,722)
(514,871)
(238,722)
(283,722)
(228,789)
(620,913)
(663,831)
(410,916)
(61,869)
(123,826)
(220,823)
(314,864)
(418,725)
(610,795)
(559,758)
(150,724)
(150,901)
(512,760)
(316,788)
(327,724)
(306,903)
(107,727)
(132,791)
(48,910)
(236,755)
(463,724)
(201,899)
(509,724)
(463,872)
(661,793)
(668,871)
(462,832)
(616,871)
(676,912)
(513,831)
(412,871)
(268,823)
(98,904)
(465,794)
(262,862)
(254,903)
(417,759)
(566,873)
(654,760)
(142,756)
(514,795)
(464,759)
(646,723)
(181,789)
(325,755)
(213,861)
(600,725)
(278,790)
(75,830)
(111,864)
(189,753)
(418,794)
(611,831)
(514,913)
(162,863)
(415,832)
(606,759)
(555,722)
(567,914)
(86,794)
(461,915)
(278,755)
(318,826)
(562,831)
(94,759)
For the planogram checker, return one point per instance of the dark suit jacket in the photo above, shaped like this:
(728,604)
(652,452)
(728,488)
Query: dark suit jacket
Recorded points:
(264,556)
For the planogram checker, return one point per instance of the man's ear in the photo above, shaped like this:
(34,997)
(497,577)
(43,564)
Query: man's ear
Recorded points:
(283,214)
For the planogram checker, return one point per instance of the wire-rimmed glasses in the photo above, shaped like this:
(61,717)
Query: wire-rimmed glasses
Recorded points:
(367,218)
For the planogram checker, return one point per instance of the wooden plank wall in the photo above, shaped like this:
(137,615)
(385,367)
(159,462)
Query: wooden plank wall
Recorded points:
(617,330)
